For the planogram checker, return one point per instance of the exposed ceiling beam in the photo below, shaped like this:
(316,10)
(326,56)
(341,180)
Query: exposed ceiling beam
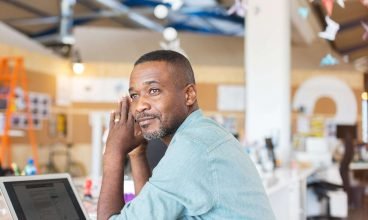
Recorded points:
(26,7)
(56,19)
(91,6)
(66,21)
(353,23)
(50,36)
(133,16)
(346,51)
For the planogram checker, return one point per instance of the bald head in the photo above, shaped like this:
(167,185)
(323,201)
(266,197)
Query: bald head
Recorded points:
(178,63)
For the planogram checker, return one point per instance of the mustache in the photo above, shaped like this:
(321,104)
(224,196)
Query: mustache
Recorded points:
(140,115)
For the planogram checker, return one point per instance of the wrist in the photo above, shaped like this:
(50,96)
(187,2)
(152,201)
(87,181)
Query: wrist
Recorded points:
(114,156)
(113,149)
(138,151)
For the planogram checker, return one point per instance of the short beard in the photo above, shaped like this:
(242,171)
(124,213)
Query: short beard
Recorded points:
(160,133)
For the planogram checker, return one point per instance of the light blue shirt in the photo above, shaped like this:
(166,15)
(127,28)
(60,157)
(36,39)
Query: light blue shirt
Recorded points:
(204,174)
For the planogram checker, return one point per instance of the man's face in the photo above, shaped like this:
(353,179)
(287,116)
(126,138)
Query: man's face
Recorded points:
(158,103)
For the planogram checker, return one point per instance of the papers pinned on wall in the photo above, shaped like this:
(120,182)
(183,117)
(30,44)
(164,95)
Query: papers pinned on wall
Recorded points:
(63,90)
(230,98)
(91,89)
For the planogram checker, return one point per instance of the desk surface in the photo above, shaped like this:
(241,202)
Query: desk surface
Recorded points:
(284,177)
(273,183)
(359,165)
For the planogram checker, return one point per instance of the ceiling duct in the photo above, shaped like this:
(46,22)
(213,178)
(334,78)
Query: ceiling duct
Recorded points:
(66,22)
(133,16)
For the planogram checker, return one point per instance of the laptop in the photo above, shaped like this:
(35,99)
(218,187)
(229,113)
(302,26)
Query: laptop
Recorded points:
(49,196)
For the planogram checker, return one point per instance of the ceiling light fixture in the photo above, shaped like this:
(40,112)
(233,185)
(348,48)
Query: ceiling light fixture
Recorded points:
(161,11)
(78,66)
(170,34)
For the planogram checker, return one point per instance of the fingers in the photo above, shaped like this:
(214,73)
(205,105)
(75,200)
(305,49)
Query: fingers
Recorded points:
(112,118)
(124,109)
(118,112)
(122,116)
(137,128)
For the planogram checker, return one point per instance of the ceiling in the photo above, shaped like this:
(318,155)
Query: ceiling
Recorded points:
(51,22)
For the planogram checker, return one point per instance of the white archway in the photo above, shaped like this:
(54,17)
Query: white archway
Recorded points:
(326,86)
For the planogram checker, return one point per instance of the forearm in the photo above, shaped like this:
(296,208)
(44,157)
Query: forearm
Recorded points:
(112,189)
(140,168)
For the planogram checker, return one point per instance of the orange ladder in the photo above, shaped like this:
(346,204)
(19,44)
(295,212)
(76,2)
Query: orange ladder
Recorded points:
(12,74)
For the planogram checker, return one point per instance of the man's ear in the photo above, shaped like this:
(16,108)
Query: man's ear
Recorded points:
(190,94)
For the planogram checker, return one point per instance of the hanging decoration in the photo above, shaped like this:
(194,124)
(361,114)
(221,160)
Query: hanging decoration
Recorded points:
(171,40)
(364,2)
(239,8)
(329,60)
(328,4)
(331,29)
(303,12)
(341,3)
(365,26)
(173,45)
(346,58)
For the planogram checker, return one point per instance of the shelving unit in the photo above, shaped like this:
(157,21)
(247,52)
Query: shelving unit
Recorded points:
(13,75)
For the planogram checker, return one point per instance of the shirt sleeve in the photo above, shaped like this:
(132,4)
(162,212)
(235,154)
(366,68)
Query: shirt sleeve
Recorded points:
(180,186)
(152,202)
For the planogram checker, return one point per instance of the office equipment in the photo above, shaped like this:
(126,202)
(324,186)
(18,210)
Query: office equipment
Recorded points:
(50,196)
(331,192)
(270,148)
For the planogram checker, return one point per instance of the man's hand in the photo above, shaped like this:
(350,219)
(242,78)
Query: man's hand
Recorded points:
(124,134)
(140,168)
(123,138)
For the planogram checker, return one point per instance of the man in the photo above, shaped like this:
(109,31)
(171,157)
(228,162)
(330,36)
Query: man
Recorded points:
(204,173)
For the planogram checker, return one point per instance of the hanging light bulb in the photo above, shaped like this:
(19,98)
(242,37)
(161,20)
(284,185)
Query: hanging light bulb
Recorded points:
(78,66)
(161,11)
(170,33)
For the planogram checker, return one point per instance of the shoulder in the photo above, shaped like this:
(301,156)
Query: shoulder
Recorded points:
(203,133)
(188,152)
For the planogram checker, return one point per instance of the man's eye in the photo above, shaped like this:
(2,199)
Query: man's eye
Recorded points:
(133,96)
(154,91)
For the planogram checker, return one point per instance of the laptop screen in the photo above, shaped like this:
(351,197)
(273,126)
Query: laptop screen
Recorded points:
(44,199)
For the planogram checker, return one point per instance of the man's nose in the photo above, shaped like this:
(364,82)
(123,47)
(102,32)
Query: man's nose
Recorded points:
(142,104)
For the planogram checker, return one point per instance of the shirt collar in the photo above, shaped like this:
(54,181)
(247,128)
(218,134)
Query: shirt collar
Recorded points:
(191,118)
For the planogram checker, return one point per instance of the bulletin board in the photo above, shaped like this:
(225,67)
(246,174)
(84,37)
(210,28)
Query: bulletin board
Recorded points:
(78,118)
(207,94)
(40,83)
(79,129)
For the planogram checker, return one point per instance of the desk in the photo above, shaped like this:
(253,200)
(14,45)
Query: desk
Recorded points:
(286,189)
(358,165)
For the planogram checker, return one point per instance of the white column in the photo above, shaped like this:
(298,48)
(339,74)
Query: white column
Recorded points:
(267,60)
(96,120)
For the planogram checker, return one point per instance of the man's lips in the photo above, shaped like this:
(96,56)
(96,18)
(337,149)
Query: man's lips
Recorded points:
(144,121)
